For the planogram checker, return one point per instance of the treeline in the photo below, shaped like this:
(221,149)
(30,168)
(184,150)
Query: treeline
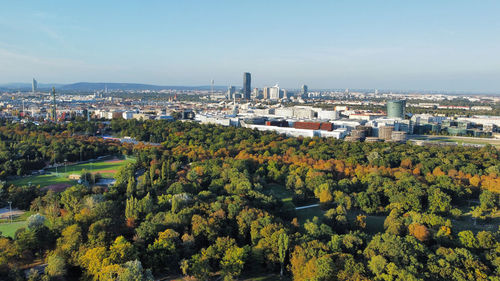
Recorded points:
(208,204)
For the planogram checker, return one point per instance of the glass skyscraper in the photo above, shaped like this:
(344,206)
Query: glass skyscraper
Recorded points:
(247,88)
(34,85)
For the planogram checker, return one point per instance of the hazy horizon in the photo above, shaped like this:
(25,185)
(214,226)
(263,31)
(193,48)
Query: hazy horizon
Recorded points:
(426,45)
(48,85)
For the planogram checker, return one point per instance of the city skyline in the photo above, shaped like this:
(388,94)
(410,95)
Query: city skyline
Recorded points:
(446,46)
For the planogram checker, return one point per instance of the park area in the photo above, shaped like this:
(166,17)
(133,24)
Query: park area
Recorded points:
(9,229)
(375,223)
(18,217)
(60,177)
(57,181)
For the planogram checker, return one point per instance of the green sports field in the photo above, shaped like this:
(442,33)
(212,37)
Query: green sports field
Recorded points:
(107,168)
(9,229)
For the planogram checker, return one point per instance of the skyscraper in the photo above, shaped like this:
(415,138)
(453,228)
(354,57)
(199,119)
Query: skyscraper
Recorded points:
(247,88)
(304,91)
(34,85)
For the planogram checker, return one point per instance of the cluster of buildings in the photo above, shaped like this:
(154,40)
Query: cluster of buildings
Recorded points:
(274,93)
(309,121)
(353,125)
(268,109)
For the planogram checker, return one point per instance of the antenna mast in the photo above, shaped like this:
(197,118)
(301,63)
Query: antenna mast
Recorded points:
(54,106)
(212,87)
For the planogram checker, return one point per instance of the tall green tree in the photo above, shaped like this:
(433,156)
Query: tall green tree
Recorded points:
(283,243)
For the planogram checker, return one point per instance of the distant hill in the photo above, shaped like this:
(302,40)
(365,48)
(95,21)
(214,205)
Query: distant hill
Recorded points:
(86,86)
(89,87)
(27,86)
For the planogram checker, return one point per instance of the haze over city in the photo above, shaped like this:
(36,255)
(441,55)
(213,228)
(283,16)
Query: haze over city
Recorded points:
(417,45)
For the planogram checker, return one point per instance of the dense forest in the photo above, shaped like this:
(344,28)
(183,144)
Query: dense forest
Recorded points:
(218,202)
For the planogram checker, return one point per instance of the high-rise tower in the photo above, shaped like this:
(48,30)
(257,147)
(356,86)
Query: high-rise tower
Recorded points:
(304,91)
(34,86)
(247,85)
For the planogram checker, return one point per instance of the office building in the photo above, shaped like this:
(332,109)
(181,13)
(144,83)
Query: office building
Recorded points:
(328,114)
(284,93)
(274,92)
(265,92)
(247,85)
(255,93)
(34,85)
(304,91)
(230,92)
(399,136)
(385,132)
(396,109)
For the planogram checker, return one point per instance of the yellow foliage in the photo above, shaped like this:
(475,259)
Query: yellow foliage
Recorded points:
(445,230)
(419,231)
(93,260)
(325,196)
(361,221)
(438,172)
(110,272)
(475,181)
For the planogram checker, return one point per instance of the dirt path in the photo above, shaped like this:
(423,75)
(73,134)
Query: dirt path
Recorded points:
(5,213)
(305,207)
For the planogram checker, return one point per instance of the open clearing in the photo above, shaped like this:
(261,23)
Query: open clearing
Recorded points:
(60,180)
(279,192)
(309,213)
(252,276)
(458,139)
(9,229)
(266,277)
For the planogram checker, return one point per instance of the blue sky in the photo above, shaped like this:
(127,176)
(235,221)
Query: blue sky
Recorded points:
(435,45)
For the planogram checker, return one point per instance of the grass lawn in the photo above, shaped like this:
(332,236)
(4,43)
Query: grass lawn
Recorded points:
(279,192)
(307,214)
(466,222)
(374,224)
(245,277)
(106,168)
(41,180)
(460,140)
(265,277)
(9,229)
